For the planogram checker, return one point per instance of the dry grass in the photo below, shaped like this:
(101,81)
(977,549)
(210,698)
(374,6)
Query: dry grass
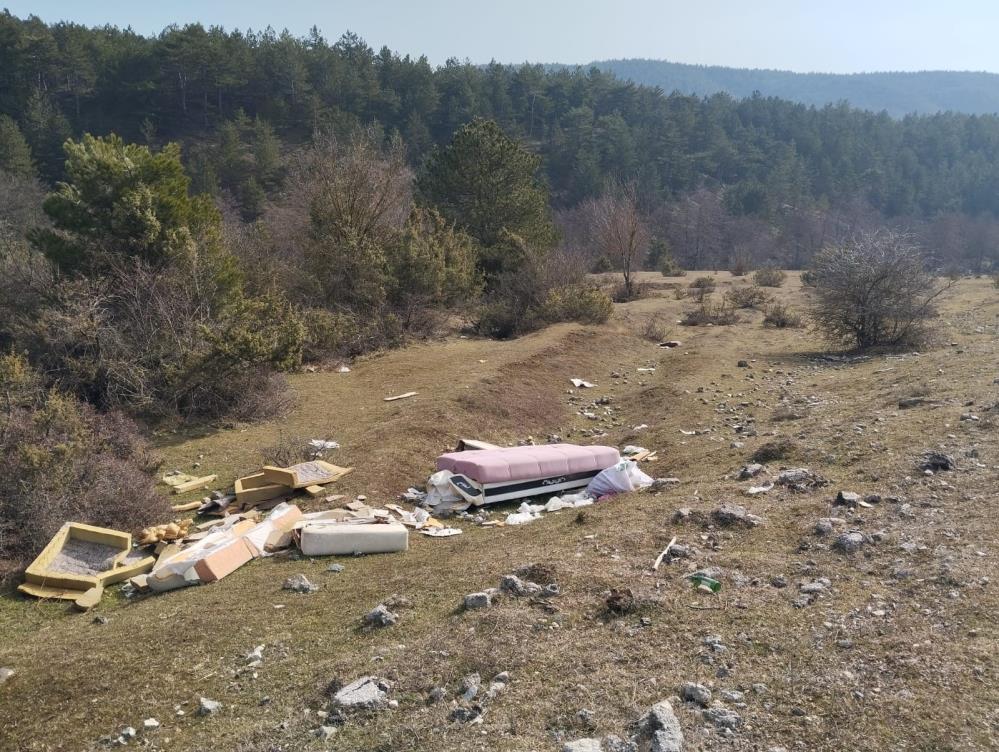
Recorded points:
(919,674)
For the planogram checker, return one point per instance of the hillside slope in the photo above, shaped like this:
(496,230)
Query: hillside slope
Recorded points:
(898,93)
(898,651)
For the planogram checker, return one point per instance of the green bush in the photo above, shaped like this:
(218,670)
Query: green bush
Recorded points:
(587,305)
(602,265)
(669,267)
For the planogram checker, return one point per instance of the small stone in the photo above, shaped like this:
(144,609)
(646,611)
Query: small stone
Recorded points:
(614,743)
(150,724)
(734,514)
(334,568)
(750,471)
(847,499)
(128,732)
(299,583)
(511,583)
(722,717)
(477,600)
(467,715)
(100,619)
(742,364)
(697,693)
(208,707)
(778,581)
(849,543)
(469,686)
(661,728)
(732,695)
(436,695)
(368,692)
(6,674)
(826,525)
(582,745)
(380,616)
(326,733)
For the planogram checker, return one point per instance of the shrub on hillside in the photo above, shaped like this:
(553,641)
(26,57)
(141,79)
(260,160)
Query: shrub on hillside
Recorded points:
(65,462)
(715,314)
(769,277)
(749,296)
(656,328)
(669,267)
(741,263)
(781,316)
(874,290)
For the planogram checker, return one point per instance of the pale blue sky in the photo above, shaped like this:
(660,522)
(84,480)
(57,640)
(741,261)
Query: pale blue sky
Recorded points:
(840,36)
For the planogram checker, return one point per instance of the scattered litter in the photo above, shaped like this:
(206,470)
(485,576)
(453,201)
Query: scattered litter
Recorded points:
(321,445)
(623,477)
(337,538)
(182,483)
(407,395)
(704,583)
(670,343)
(646,370)
(800,479)
(579,383)
(640,427)
(343,369)
(659,559)
(208,707)
(754,490)
(299,583)
(441,532)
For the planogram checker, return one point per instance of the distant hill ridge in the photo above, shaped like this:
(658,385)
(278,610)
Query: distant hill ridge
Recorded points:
(898,93)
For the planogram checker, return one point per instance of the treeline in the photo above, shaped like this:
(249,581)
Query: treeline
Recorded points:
(771,155)
(899,93)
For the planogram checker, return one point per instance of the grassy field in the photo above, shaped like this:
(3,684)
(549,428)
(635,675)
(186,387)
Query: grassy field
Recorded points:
(899,654)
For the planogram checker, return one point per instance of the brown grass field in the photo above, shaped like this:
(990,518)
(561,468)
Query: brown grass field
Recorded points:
(899,654)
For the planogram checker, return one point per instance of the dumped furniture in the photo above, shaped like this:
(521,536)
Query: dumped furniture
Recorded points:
(80,561)
(486,476)
(332,538)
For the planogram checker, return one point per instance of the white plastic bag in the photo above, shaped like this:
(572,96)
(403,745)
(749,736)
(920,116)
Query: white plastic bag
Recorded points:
(439,490)
(621,478)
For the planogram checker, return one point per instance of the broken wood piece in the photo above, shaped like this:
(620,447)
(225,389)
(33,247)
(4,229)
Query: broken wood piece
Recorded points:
(659,559)
(89,598)
(253,489)
(190,485)
(315,473)
(314,491)
(189,507)
(400,396)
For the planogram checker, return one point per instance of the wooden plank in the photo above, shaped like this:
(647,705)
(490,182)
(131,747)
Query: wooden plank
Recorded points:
(407,395)
(189,507)
(193,484)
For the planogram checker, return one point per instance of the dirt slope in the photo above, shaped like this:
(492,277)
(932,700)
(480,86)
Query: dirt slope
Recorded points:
(899,652)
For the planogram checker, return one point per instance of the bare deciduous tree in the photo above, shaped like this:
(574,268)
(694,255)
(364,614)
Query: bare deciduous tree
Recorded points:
(874,290)
(620,230)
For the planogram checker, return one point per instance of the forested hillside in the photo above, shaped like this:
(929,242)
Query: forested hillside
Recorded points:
(898,93)
(64,79)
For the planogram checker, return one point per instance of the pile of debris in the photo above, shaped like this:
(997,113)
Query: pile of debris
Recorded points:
(81,560)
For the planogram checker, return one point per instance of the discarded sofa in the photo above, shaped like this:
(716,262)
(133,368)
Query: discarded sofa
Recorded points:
(80,561)
(485,476)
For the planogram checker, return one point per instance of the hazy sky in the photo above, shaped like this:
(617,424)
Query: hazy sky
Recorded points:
(809,35)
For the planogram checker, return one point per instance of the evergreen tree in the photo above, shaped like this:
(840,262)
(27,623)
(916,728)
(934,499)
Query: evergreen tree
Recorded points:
(15,154)
(487,184)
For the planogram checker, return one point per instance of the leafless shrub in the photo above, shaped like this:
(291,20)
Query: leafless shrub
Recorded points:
(769,277)
(771,451)
(741,263)
(64,461)
(715,314)
(656,328)
(781,316)
(621,230)
(749,296)
(874,290)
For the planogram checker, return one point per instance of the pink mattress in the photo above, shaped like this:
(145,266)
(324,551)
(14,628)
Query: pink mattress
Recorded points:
(528,462)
